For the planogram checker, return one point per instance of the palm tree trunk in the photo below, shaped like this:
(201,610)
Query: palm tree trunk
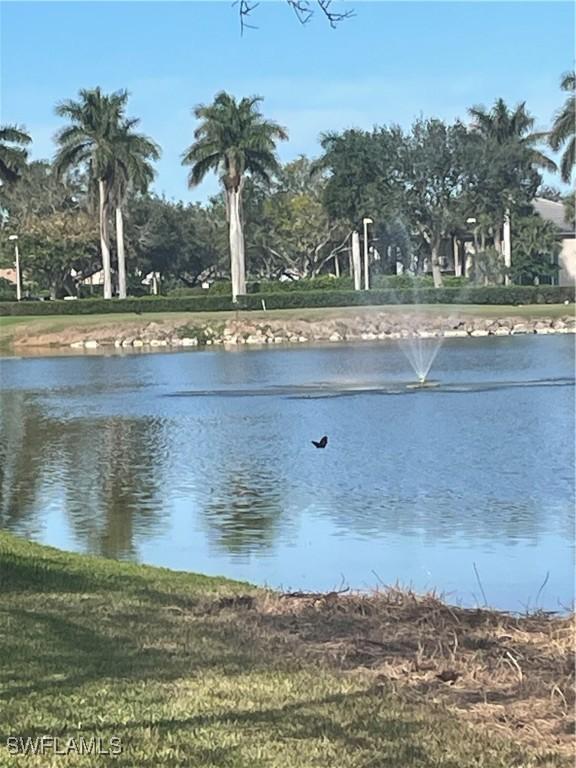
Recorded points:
(436,273)
(104,246)
(498,238)
(121,253)
(237,261)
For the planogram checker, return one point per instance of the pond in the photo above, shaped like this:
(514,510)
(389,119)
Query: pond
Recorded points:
(203,461)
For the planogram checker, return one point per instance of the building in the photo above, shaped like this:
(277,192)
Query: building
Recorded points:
(9,275)
(457,254)
(555,213)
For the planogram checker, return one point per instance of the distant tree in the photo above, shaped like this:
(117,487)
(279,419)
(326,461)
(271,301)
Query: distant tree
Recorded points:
(12,158)
(563,133)
(88,142)
(433,175)
(41,191)
(180,242)
(59,249)
(505,125)
(131,171)
(363,173)
(504,166)
(288,227)
(233,139)
(535,250)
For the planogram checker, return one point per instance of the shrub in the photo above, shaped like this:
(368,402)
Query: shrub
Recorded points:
(7,290)
(320,283)
(323,282)
(543,294)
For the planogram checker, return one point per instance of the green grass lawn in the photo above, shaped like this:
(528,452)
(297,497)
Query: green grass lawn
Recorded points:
(176,667)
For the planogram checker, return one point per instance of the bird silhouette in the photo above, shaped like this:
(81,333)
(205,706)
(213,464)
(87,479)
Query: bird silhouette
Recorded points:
(322,443)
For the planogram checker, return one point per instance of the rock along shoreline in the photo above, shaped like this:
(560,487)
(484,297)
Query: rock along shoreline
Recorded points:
(374,327)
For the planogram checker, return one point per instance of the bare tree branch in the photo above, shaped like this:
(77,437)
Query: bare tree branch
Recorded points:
(245,8)
(303,9)
(334,17)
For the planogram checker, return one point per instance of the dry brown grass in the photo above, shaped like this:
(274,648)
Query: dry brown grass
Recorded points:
(514,674)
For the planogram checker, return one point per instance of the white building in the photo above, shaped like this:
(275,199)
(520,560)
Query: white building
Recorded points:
(556,214)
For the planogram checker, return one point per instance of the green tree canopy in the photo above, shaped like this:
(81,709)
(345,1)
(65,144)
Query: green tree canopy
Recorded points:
(535,250)
(363,173)
(434,178)
(58,250)
(181,242)
(288,226)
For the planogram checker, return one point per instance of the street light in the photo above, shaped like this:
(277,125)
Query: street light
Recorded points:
(365,221)
(17,255)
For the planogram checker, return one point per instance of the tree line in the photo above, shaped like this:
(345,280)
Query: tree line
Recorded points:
(91,208)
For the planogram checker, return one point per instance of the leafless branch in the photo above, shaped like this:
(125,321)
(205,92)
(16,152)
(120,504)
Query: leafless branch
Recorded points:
(245,8)
(334,17)
(303,9)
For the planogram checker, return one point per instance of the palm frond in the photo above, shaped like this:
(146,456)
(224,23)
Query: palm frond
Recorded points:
(568,160)
(14,134)
(564,124)
(568,81)
(202,167)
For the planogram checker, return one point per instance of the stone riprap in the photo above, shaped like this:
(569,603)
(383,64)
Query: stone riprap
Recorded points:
(375,327)
(368,327)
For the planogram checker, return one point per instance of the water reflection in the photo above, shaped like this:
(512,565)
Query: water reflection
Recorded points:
(244,513)
(116,497)
(103,477)
(25,440)
(98,454)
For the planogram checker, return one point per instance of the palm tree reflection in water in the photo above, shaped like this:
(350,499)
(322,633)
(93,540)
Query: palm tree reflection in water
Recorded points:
(247,512)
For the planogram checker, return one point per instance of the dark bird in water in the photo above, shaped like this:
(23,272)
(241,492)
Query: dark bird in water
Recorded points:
(449,676)
(322,443)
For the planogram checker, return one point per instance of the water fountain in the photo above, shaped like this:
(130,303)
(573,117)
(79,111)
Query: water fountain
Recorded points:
(421,341)
(421,349)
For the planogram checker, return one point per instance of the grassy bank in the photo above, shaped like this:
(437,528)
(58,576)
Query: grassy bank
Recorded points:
(192,671)
(56,329)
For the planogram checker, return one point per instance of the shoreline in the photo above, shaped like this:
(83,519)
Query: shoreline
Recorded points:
(229,331)
(493,685)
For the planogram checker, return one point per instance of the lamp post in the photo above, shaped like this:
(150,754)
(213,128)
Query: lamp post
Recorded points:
(365,221)
(507,247)
(17,258)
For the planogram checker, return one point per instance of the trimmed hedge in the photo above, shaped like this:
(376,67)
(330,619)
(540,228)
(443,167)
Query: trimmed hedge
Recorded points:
(293,300)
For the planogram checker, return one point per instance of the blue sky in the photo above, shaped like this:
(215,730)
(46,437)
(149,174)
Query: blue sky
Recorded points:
(391,63)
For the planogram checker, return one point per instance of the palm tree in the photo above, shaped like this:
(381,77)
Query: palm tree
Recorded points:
(89,141)
(131,171)
(564,129)
(502,124)
(506,126)
(12,158)
(233,139)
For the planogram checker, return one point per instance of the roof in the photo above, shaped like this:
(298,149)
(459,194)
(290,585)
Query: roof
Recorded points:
(8,274)
(554,212)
